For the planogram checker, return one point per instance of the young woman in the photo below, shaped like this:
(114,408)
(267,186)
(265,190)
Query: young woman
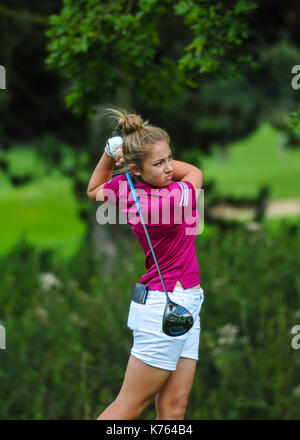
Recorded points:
(159,366)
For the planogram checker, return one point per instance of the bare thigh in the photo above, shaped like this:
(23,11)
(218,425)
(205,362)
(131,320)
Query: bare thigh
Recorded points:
(176,389)
(141,382)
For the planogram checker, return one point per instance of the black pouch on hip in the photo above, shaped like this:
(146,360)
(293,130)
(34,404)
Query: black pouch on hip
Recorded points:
(140,293)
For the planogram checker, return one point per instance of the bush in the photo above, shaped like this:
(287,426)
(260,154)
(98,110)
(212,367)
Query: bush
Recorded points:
(67,344)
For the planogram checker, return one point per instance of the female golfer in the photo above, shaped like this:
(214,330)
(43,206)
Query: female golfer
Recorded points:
(159,366)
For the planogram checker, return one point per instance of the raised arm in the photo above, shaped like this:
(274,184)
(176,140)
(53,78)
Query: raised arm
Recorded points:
(185,171)
(101,174)
(181,169)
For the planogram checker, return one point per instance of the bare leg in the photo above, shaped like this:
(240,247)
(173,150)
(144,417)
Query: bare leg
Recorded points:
(172,399)
(141,383)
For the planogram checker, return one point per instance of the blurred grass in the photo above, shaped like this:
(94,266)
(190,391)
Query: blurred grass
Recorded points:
(256,161)
(24,161)
(274,226)
(45,211)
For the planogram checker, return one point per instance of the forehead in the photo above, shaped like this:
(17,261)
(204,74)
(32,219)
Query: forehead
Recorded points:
(159,149)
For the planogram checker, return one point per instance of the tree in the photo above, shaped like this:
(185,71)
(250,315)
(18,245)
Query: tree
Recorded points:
(32,103)
(102,46)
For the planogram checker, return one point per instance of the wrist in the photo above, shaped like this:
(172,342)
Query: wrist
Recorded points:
(107,154)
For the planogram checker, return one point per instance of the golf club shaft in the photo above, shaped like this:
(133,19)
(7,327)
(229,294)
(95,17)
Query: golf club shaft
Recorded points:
(146,231)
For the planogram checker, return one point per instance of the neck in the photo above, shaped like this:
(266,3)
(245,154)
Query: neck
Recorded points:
(137,179)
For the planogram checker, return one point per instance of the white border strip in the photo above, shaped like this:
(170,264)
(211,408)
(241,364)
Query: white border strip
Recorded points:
(185,194)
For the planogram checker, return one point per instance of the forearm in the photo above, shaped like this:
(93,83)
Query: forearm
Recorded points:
(181,169)
(102,172)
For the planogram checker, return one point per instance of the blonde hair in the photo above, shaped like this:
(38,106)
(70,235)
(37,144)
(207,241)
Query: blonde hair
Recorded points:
(138,136)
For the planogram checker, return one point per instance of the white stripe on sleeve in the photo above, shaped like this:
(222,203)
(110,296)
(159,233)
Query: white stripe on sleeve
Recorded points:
(185,194)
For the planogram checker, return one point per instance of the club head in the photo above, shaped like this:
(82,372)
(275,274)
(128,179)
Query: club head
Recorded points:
(177,320)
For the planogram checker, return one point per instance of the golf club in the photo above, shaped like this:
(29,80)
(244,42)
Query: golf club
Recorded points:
(177,320)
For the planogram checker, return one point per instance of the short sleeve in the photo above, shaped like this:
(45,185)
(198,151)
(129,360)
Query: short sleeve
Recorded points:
(111,189)
(185,194)
(190,193)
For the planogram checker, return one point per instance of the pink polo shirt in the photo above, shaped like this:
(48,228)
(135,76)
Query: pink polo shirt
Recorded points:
(171,219)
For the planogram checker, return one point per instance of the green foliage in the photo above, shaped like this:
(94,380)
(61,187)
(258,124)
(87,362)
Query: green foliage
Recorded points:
(68,345)
(102,46)
(260,159)
(32,104)
(295,119)
(218,28)
(252,308)
(45,204)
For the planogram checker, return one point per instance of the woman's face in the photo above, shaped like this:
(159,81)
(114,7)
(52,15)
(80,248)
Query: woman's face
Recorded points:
(157,166)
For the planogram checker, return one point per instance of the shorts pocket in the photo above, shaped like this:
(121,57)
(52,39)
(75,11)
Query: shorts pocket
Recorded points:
(136,315)
(197,323)
(198,305)
(202,298)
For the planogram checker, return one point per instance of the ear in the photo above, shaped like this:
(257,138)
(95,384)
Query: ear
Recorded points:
(134,169)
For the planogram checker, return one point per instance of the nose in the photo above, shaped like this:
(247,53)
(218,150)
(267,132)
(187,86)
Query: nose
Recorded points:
(169,169)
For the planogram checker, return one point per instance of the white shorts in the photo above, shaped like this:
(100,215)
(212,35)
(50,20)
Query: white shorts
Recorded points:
(151,345)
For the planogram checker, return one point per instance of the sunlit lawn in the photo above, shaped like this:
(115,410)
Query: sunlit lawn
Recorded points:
(256,161)
(45,212)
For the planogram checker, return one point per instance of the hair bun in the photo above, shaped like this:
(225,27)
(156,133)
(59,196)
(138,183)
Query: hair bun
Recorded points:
(130,123)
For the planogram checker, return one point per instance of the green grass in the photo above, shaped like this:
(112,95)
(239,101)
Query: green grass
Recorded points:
(274,226)
(23,160)
(253,162)
(44,211)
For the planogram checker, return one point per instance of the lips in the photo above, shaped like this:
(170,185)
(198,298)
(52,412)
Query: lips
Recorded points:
(169,177)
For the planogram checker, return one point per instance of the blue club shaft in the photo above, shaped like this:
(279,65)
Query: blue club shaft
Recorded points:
(146,231)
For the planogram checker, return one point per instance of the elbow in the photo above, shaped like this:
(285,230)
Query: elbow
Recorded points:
(201,178)
(89,194)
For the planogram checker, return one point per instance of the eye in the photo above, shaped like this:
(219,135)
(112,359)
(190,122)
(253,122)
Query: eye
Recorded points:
(170,157)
